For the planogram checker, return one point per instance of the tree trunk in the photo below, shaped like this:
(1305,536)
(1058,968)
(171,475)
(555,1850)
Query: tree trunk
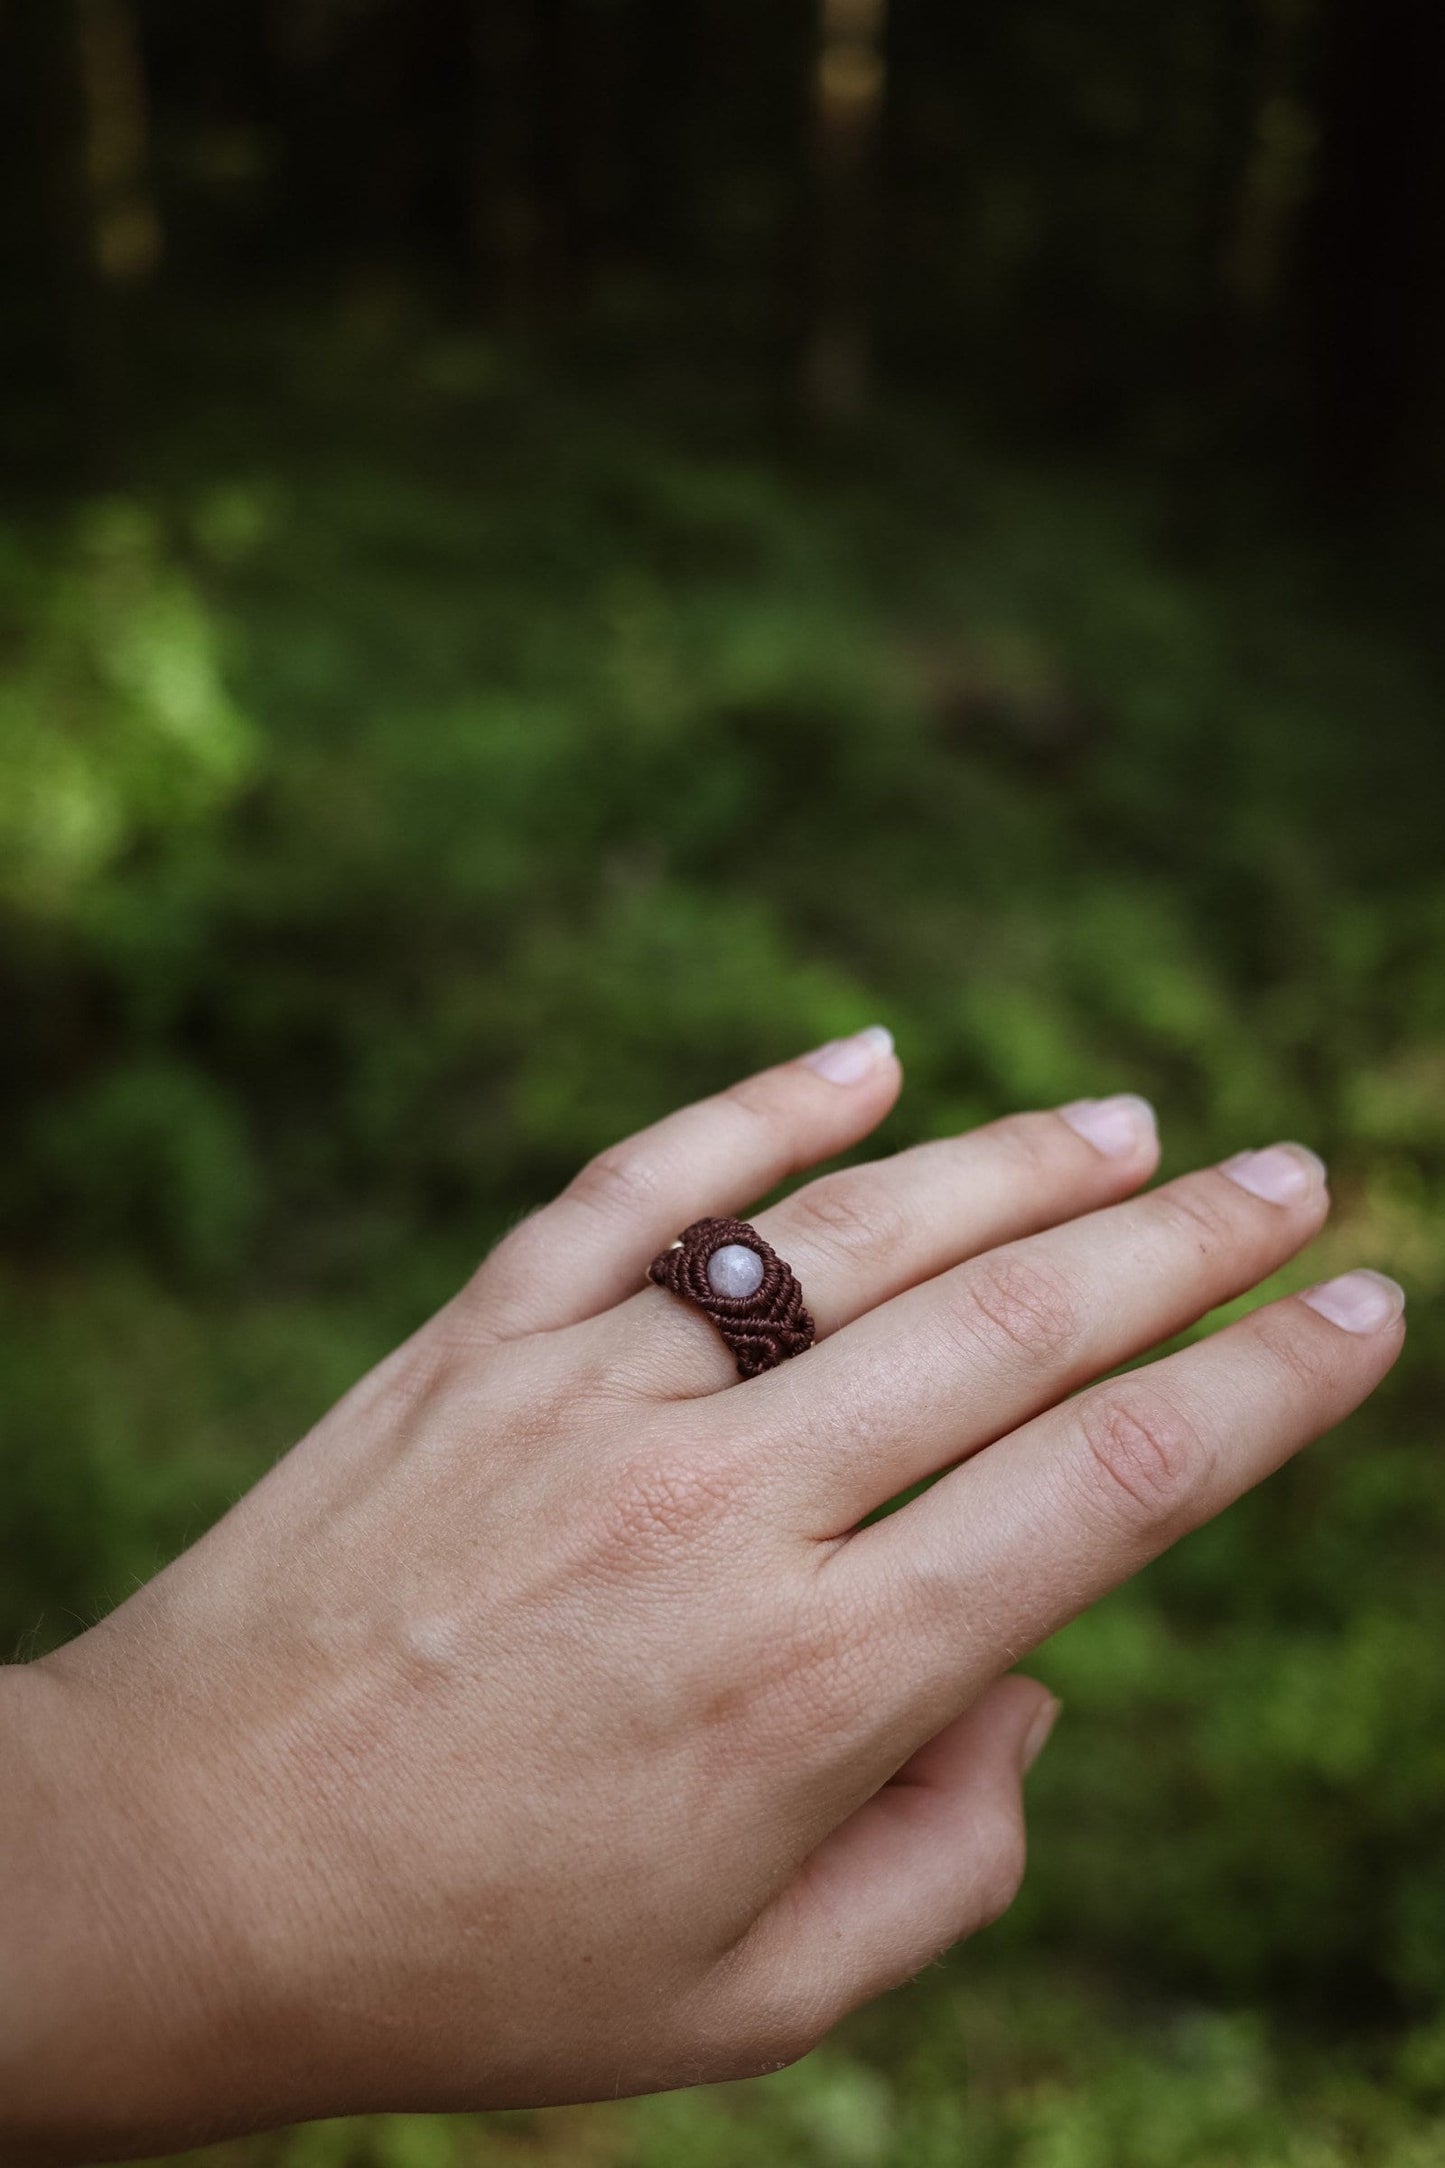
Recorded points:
(533,150)
(1272,184)
(126,233)
(847,110)
(97,222)
(660,109)
(506,216)
(1375,259)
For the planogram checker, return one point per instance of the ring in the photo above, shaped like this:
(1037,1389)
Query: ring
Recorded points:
(726,1268)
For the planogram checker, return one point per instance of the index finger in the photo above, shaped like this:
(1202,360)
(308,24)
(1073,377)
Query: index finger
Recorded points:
(588,1248)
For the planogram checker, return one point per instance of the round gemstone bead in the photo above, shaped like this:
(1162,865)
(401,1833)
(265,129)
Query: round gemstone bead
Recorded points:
(735,1271)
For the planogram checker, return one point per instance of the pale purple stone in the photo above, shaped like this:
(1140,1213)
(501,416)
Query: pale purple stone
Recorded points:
(735,1270)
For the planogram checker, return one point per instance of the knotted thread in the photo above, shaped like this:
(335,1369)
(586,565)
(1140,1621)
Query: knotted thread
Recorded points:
(762,1329)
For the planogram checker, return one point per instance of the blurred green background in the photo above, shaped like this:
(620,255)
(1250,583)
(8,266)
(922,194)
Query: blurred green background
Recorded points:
(559,550)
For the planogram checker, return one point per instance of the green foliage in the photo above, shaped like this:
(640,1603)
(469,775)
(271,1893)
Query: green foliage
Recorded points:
(114,724)
(461,776)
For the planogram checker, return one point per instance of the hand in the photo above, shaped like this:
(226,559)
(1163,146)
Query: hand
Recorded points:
(545,1725)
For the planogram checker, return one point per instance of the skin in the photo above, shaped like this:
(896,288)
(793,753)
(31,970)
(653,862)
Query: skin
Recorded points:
(544,1726)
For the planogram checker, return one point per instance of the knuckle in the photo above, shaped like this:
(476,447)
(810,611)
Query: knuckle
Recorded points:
(786,2022)
(757,1100)
(1022,1306)
(827,1682)
(1200,1210)
(1144,1457)
(1030,1142)
(849,1215)
(619,1182)
(426,1372)
(791,2039)
(510,1265)
(811,1674)
(666,1502)
(1003,1848)
(765,1117)
(1296,1354)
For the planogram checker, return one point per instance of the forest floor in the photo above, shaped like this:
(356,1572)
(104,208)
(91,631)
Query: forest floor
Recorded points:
(458,767)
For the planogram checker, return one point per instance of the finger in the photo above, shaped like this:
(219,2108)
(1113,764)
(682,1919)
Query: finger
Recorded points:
(935,1855)
(864,1234)
(1005,1550)
(593,1244)
(947,1367)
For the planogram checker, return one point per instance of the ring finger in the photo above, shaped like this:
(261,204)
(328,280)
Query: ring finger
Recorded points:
(861,1235)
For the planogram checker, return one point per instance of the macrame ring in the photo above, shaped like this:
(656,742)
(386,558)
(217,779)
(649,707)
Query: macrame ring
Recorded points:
(763,1327)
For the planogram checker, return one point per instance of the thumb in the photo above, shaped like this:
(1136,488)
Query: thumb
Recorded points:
(937,1854)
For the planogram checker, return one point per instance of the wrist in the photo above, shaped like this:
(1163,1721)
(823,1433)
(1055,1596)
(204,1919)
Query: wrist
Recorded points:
(124,1977)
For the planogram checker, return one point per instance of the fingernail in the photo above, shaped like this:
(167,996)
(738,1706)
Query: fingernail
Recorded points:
(1281,1173)
(848,1061)
(1114,1126)
(1038,1732)
(1362,1301)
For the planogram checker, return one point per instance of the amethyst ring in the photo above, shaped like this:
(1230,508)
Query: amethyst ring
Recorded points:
(728,1271)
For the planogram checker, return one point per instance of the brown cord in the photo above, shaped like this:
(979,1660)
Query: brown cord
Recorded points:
(762,1329)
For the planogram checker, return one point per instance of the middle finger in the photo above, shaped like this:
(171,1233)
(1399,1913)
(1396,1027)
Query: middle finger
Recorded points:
(945,1368)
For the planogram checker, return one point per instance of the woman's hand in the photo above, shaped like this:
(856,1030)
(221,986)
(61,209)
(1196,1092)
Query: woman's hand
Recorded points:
(545,1726)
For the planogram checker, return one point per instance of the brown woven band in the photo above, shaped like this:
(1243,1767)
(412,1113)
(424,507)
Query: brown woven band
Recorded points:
(762,1329)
